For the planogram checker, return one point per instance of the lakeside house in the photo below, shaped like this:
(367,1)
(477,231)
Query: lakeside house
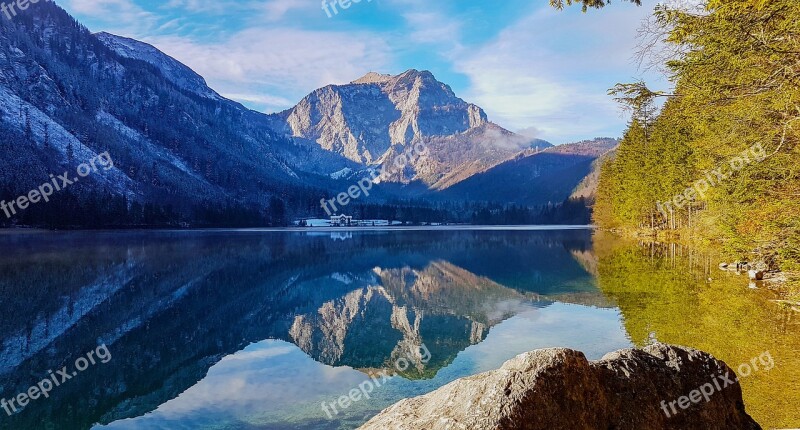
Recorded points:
(341,221)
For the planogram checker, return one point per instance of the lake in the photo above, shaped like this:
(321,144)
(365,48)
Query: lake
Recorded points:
(268,329)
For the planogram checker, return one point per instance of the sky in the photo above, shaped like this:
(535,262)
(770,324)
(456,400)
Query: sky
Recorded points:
(534,70)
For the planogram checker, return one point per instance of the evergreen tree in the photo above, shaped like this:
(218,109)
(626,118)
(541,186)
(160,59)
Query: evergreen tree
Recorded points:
(28,131)
(736,111)
(46,143)
(70,152)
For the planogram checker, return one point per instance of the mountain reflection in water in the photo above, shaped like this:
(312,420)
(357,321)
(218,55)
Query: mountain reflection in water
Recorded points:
(249,329)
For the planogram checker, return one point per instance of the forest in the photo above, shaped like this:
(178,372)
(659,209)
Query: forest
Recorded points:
(733,65)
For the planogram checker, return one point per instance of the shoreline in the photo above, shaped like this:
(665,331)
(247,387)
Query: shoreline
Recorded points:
(775,278)
(460,227)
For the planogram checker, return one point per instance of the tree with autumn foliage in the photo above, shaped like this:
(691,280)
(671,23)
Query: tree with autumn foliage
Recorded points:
(735,66)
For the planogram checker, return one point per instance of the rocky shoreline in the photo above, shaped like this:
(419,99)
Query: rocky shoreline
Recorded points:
(654,388)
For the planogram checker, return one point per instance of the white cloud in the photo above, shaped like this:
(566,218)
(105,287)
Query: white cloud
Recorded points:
(548,71)
(284,61)
(532,132)
(432,27)
(551,71)
(204,6)
(276,9)
(121,16)
(269,10)
(258,98)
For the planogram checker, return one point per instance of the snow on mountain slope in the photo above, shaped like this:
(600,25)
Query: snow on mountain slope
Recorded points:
(175,71)
(43,131)
(181,151)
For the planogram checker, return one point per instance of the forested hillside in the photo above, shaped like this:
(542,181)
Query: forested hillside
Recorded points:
(178,154)
(719,159)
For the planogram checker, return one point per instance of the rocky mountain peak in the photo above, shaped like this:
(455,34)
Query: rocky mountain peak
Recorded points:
(378,115)
(373,78)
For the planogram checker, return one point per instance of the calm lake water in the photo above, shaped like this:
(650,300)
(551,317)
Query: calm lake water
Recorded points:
(257,329)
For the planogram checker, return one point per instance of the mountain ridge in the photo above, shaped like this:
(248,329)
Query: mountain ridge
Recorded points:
(185,155)
(175,71)
(534,177)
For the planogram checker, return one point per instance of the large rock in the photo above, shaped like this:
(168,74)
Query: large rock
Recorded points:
(560,389)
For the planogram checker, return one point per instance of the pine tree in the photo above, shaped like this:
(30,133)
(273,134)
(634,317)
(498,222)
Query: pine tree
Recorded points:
(28,130)
(46,143)
(736,96)
(156,181)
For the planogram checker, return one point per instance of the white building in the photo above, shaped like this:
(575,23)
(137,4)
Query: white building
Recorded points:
(341,221)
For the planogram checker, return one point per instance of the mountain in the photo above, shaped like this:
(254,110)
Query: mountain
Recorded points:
(378,117)
(180,151)
(184,155)
(176,72)
(596,147)
(395,308)
(588,186)
(536,177)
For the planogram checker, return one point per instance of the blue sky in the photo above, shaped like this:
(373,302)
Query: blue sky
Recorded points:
(533,69)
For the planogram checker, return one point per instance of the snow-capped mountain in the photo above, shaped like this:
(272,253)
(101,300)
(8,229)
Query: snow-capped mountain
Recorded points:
(378,117)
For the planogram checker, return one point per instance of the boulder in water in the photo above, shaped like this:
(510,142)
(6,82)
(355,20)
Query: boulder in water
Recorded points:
(641,389)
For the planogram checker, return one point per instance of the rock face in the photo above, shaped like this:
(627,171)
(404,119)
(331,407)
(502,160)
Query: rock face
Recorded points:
(366,118)
(378,117)
(561,389)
